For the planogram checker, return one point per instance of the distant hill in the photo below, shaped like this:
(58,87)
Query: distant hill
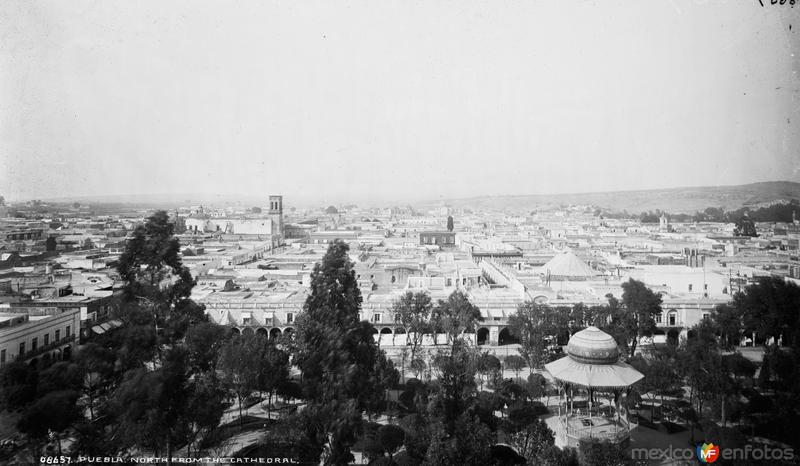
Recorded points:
(674,200)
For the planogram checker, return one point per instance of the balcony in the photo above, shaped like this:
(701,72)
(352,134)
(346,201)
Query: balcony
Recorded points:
(48,347)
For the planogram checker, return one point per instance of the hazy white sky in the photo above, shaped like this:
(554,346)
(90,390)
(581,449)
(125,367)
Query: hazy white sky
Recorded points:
(355,100)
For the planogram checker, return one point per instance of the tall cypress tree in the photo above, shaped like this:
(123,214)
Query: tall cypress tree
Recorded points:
(343,369)
(156,306)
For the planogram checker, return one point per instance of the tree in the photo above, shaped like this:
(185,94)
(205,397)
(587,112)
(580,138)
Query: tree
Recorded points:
(455,316)
(157,284)
(151,408)
(730,322)
(536,386)
(414,310)
(533,324)
(532,438)
(702,365)
(53,413)
(660,378)
(338,358)
(636,318)
(206,405)
(745,227)
(97,364)
(251,363)
(417,367)
(594,452)
(456,384)
(50,244)
(515,363)
(385,440)
(17,385)
(449,223)
(487,364)
(769,307)
(468,444)
(203,341)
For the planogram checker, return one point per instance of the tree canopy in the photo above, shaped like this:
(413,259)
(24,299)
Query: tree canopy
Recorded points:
(343,368)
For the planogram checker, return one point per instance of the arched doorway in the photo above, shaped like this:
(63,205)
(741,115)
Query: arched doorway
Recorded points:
(262,332)
(505,338)
(275,333)
(235,331)
(66,355)
(672,336)
(483,336)
(247,331)
(289,331)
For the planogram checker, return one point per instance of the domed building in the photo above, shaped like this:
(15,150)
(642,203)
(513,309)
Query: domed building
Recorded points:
(567,266)
(592,383)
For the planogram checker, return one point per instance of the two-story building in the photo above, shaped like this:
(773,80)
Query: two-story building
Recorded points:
(38,333)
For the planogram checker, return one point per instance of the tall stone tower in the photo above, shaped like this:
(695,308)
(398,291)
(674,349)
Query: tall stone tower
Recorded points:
(276,214)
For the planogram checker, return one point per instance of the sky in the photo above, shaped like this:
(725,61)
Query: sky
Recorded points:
(373,101)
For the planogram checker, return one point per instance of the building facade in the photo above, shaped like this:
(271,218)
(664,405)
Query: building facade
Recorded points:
(43,333)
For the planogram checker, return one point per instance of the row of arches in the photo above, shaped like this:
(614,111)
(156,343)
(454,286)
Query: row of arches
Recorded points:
(274,332)
(59,354)
(482,335)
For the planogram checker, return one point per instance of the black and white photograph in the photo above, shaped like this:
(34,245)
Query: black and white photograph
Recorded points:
(400,232)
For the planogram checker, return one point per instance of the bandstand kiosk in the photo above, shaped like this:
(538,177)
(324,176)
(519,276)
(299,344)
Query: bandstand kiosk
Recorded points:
(592,382)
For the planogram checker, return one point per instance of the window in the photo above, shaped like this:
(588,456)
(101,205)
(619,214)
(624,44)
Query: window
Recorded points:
(289,318)
(706,316)
(690,287)
(46,339)
(376,318)
(658,318)
(58,335)
(705,286)
(66,333)
(2,356)
(397,318)
(22,348)
(673,318)
(247,320)
(34,343)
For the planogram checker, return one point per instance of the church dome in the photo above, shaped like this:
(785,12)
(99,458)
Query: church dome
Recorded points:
(593,346)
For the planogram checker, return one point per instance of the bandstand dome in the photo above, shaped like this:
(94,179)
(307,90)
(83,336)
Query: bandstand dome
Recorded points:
(593,361)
